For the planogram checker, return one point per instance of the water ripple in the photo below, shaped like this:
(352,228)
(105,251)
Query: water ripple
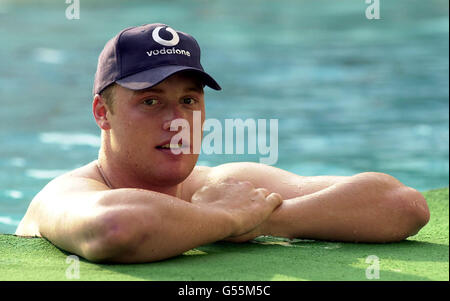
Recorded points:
(8,221)
(70,139)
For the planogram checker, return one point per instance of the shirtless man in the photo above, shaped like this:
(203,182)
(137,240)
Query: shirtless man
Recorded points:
(140,202)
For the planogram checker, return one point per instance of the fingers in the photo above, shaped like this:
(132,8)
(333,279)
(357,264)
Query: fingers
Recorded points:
(262,192)
(274,199)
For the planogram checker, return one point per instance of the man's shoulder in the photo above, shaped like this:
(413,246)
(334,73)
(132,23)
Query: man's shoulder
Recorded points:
(89,171)
(242,171)
(79,180)
(196,179)
(60,190)
(86,176)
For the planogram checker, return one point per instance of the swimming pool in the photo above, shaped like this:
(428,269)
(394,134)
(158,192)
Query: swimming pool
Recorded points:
(351,94)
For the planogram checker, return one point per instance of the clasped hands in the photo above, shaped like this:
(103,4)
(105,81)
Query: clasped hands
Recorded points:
(247,208)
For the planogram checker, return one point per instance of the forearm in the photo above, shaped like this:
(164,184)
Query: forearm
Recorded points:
(368,207)
(156,226)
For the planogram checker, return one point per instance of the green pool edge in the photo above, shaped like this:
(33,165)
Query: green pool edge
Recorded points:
(422,257)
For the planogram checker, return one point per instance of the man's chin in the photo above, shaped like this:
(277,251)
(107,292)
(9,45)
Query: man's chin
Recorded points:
(164,170)
(170,176)
(171,180)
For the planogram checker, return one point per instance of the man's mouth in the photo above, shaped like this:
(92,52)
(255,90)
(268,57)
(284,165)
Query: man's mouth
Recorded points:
(170,146)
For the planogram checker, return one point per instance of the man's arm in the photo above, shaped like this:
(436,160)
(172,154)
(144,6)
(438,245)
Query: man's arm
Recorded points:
(134,225)
(367,207)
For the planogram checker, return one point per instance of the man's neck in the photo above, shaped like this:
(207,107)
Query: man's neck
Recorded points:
(117,177)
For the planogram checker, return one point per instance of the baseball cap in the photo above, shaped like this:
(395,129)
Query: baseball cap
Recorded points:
(142,56)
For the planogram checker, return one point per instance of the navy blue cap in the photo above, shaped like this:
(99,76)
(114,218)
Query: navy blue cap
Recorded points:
(143,56)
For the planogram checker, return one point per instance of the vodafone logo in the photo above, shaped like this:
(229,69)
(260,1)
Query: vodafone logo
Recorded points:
(172,42)
(157,38)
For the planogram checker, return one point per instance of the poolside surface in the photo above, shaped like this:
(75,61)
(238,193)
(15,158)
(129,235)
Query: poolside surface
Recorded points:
(421,257)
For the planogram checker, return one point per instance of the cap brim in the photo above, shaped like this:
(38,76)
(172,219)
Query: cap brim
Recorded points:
(149,78)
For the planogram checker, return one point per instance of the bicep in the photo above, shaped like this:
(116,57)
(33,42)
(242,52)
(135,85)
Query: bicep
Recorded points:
(287,184)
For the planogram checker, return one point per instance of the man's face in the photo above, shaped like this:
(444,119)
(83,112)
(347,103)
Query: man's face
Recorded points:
(140,125)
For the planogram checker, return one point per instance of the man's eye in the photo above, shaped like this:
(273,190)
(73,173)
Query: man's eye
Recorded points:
(150,102)
(189,101)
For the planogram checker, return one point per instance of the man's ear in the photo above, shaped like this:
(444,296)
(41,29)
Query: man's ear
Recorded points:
(100,110)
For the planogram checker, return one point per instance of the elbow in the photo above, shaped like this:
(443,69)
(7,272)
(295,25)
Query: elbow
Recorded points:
(413,212)
(114,237)
(417,207)
(401,211)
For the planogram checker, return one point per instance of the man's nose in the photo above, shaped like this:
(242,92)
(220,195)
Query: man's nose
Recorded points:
(172,113)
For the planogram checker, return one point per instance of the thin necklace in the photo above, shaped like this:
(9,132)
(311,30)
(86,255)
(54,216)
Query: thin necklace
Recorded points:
(100,169)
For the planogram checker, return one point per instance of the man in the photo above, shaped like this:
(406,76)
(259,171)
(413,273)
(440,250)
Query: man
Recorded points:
(141,202)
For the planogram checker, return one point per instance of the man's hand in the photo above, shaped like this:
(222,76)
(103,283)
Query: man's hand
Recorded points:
(248,207)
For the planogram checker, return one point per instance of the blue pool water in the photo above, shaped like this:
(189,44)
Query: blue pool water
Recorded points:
(351,94)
